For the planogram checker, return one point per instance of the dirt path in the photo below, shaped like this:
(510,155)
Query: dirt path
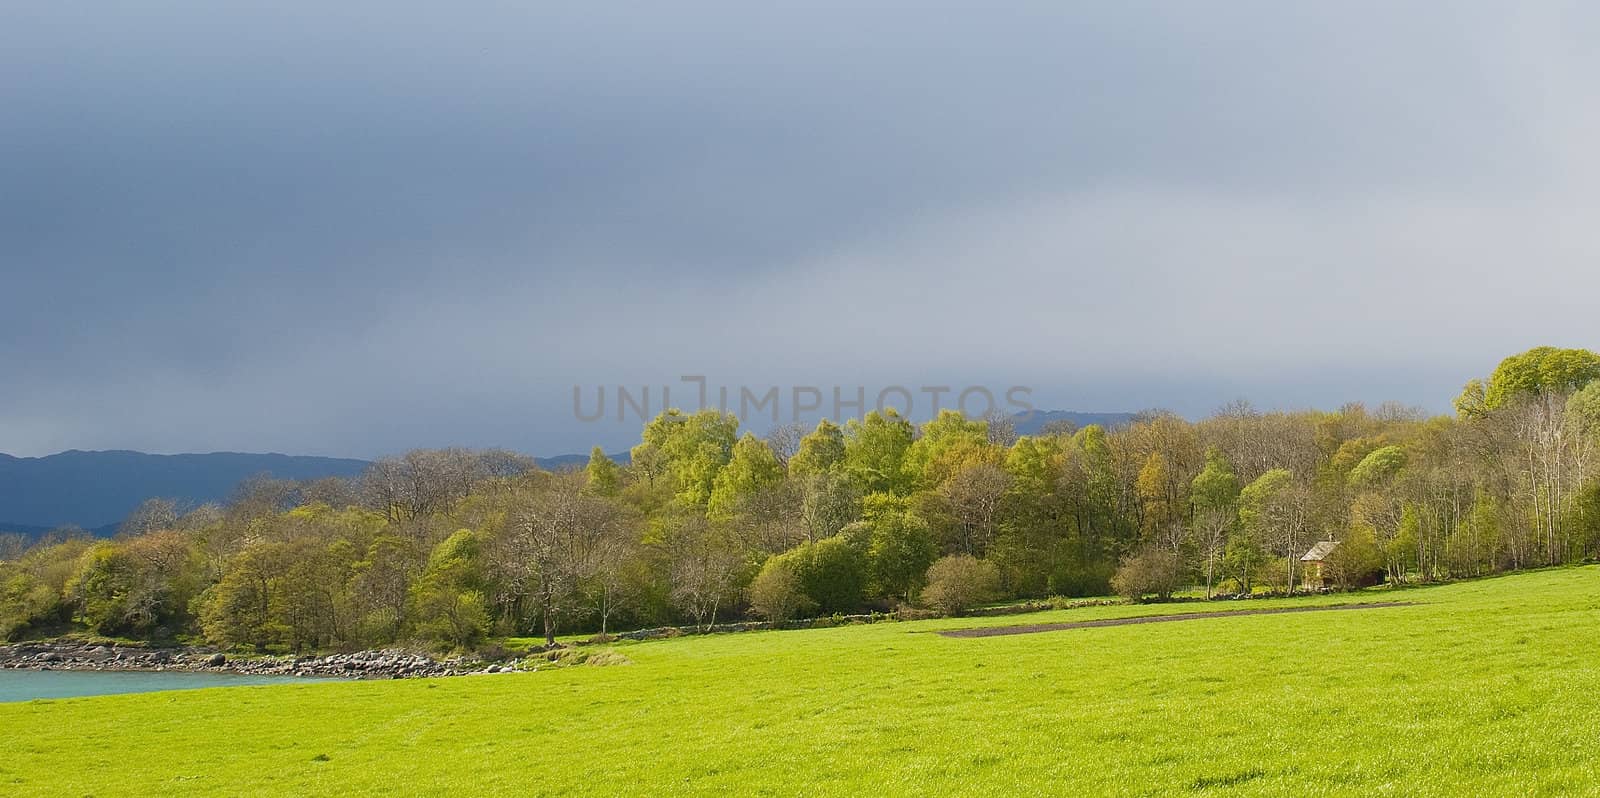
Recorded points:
(995,631)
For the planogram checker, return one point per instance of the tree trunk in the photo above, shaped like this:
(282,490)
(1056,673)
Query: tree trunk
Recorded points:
(1211,565)
(549,618)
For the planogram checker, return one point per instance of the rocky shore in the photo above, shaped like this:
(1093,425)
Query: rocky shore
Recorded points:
(383,664)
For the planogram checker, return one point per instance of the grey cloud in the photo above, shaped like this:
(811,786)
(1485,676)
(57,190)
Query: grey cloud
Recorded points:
(355,228)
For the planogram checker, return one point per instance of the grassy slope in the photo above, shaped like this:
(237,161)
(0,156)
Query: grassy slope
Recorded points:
(1487,687)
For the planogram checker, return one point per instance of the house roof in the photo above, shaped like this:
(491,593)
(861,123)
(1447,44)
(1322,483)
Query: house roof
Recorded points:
(1320,551)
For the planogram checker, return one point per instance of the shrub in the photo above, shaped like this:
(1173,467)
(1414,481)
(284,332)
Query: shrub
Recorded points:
(834,574)
(1151,571)
(960,582)
(1356,562)
(451,618)
(777,593)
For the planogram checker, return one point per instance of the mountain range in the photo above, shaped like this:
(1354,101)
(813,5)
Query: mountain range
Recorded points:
(97,490)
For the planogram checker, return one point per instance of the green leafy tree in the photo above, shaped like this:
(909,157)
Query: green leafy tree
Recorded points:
(1094,491)
(1035,547)
(376,594)
(33,589)
(603,476)
(948,444)
(1272,515)
(1158,516)
(1475,547)
(1378,467)
(828,502)
(1544,369)
(136,586)
(449,603)
(1382,507)
(901,549)
(100,588)
(875,450)
(834,574)
(1244,559)
(1215,496)
(688,449)
(238,610)
(752,468)
(25,602)
(821,451)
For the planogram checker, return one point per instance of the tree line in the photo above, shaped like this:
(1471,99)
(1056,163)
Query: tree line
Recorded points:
(452,547)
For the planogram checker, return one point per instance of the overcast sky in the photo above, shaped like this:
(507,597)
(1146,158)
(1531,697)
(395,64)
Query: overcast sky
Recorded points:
(357,227)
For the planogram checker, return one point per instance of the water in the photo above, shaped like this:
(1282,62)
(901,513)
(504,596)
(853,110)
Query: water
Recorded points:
(27,685)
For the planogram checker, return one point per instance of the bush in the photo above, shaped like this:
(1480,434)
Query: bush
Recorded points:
(777,593)
(834,574)
(959,583)
(1356,562)
(1151,571)
(451,618)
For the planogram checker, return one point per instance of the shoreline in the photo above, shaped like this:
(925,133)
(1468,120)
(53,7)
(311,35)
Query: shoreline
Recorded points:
(106,657)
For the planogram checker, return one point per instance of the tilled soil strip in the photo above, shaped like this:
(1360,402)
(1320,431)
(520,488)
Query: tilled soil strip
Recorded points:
(996,631)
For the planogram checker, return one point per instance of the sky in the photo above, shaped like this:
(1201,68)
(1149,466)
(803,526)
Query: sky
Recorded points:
(359,227)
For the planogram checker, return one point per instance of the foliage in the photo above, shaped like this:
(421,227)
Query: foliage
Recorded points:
(602,474)
(447,547)
(1381,465)
(875,449)
(688,450)
(448,601)
(752,468)
(901,548)
(960,582)
(1539,370)
(821,451)
(777,592)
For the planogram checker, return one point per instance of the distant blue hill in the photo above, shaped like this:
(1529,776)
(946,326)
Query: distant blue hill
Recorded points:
(562,462)
(30,531)
(97,490)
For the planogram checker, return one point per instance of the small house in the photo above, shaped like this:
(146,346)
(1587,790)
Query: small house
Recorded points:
(1318,556)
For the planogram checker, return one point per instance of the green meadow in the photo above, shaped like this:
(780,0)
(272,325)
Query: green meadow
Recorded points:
(1489,687)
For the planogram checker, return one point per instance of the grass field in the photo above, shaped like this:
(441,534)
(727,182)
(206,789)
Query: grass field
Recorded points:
(1481,688)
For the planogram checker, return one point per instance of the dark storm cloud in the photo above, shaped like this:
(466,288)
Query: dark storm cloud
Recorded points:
(359,228)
